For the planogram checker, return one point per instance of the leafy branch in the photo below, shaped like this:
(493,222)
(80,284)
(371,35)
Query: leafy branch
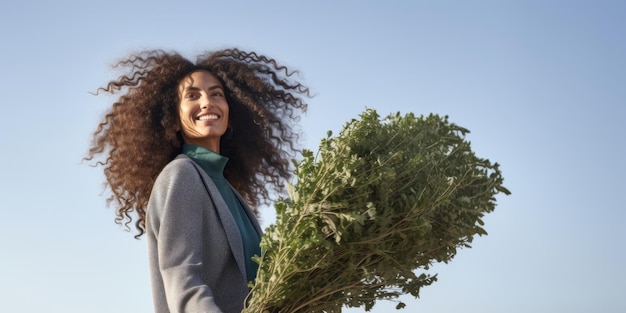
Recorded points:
(380,202)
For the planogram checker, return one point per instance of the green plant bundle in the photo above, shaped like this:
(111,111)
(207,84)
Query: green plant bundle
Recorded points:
(371,212)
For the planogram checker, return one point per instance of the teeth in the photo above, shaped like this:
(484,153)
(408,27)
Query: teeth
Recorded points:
(208,117)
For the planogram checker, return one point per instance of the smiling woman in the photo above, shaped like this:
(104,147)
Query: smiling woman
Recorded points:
(189,152)
(203,110)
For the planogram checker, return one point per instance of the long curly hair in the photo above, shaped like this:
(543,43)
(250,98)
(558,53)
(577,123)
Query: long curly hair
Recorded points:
(138,135)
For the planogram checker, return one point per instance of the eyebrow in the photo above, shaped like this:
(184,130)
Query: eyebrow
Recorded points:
(194,88)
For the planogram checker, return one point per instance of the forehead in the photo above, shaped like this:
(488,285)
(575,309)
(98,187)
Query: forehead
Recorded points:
(199,79)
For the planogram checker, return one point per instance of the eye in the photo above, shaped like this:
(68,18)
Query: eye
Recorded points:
(217,94)
(191,96)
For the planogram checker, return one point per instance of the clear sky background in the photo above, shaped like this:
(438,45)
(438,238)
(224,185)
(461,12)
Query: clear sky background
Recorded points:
(541,85)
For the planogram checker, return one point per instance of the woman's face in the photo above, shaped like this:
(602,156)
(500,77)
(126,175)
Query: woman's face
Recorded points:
(203,110)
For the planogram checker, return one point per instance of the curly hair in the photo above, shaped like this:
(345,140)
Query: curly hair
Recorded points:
(138,135)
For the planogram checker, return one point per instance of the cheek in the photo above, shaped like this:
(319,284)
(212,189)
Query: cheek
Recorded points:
(226,111)
(183,112)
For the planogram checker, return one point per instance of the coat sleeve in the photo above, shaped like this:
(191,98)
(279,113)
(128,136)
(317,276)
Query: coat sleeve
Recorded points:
(176,210)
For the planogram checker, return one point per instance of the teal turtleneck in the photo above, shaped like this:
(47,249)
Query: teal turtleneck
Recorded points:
(213,164)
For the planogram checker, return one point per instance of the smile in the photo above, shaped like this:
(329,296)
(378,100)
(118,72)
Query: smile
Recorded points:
(207,117)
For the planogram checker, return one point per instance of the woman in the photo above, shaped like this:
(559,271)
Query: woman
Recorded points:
(190,150)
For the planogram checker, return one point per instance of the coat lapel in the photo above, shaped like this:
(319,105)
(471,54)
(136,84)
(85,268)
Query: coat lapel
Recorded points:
(230,226)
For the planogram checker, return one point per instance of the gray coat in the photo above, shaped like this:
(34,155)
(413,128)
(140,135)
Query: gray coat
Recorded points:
(194,245)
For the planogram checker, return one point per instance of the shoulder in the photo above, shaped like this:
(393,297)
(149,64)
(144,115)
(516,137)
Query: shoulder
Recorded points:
(179,173)
(177,194)
(182,165)
(178,180)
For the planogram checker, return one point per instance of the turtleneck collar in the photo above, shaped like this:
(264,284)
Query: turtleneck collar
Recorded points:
(210,161)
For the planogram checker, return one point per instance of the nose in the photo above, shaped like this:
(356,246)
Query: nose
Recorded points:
(205,103)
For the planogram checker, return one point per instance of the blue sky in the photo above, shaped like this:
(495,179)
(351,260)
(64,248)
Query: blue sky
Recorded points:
(540,84)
